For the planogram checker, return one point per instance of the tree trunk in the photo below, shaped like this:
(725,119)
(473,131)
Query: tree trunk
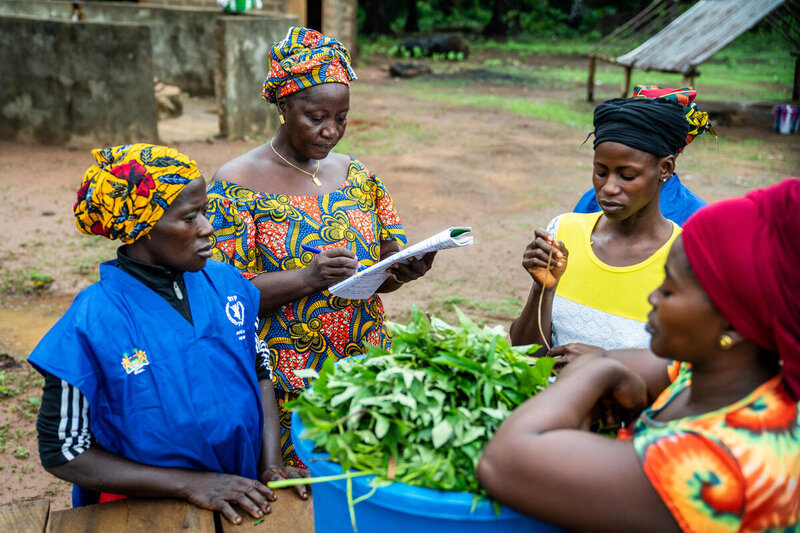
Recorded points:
(377,21)
(497,25)
(412,18)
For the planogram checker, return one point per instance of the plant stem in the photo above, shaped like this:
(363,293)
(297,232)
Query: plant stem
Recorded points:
(281,483)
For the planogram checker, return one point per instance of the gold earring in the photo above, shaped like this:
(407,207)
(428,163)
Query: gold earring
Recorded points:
(281,119)
(725,341)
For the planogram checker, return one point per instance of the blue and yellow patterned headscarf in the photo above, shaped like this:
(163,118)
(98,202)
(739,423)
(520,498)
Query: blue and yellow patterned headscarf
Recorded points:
(130,188)
(303,59)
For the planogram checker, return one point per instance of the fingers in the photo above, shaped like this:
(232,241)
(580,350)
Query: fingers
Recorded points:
(297,473)
(288,472)
(254,502)
(412,268)
(337,252)
(557,351)
(544,252)
(227,511)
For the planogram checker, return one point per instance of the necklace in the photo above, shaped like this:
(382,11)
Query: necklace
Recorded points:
(313,176)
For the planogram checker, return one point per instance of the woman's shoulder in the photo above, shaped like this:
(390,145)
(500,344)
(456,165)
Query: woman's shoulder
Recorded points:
(573,221)
(244,170)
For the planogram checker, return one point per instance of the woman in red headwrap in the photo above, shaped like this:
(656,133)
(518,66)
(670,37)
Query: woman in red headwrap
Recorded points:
(295,218)
(719,448)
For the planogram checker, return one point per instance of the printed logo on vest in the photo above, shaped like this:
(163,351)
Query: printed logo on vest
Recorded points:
(135,363)
(235,311)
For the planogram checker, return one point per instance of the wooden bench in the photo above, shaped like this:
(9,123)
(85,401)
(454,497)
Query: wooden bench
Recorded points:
(289,515)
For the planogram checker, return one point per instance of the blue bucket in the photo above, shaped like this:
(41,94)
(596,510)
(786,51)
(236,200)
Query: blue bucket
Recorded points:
(400,508)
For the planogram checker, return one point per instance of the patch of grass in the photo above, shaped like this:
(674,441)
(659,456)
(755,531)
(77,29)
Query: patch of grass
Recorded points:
(504,309)
(22,281)
(22,453)
(8,387)
(29,407)
(3,436)
(560,111)
(531,45)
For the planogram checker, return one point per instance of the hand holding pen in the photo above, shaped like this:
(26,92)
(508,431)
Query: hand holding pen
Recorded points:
(330,266)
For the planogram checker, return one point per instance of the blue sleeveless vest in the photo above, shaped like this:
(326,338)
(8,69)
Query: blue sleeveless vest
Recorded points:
(162,391)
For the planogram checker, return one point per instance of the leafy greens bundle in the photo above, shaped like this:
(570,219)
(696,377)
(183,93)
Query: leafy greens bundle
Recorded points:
(423,413)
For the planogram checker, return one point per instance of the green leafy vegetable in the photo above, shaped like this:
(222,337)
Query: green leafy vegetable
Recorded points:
(431,404)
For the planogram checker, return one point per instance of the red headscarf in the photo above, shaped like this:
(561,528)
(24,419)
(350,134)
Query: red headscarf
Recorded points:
(746,254)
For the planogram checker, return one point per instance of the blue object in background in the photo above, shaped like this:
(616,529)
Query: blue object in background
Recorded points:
(676,201)
(400,508)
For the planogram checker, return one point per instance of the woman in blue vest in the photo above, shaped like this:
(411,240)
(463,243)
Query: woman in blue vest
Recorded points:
(154,384)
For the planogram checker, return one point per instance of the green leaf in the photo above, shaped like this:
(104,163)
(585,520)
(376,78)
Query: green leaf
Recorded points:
(381,425)
(306,373)
(441,433)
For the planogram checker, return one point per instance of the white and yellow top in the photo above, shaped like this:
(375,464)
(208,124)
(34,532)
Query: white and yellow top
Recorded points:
(600,304)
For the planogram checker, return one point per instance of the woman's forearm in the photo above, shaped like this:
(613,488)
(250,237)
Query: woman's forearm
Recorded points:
(566,404)
(525,329)
(99,470)
(280,288)
(271,445)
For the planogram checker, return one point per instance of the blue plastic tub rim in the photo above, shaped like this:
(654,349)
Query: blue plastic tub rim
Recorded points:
(399,496)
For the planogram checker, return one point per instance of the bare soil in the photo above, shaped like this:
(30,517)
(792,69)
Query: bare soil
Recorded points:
(444,164)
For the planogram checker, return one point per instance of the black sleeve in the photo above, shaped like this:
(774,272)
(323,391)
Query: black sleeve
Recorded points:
(63,423)
(263,360)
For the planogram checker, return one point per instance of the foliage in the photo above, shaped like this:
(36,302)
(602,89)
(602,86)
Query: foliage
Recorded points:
(423,413)
(417,52)
(539,17)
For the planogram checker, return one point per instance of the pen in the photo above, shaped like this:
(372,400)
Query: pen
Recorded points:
(315,250)
(309,248)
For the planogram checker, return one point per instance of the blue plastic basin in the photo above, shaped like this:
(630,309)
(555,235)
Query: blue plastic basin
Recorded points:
(400,508)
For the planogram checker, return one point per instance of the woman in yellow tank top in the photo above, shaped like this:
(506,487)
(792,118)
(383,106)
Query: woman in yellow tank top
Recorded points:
(604,265)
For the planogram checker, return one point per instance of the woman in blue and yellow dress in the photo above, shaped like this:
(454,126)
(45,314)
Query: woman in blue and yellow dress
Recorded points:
(295,218)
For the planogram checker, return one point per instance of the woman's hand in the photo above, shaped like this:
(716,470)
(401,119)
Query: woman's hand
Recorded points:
(534,260)
(329,267)
(217,492)
(625,392)
(412,268)
(566,353)
(277,473)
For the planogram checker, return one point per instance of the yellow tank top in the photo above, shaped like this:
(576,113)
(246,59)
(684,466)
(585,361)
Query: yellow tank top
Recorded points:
(620,291)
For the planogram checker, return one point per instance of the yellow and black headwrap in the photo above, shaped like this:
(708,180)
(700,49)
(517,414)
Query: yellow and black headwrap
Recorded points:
(130,187)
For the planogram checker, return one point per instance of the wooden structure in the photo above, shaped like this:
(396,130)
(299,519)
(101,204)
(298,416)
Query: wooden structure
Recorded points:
(335,18)
(289,515)
(667,40)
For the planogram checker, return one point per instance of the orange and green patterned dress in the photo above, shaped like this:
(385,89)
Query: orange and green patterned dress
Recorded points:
(734,469)
(258,232)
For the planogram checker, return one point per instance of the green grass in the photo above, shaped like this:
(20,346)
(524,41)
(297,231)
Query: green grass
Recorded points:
(755,67)
(528,46)
(561,111)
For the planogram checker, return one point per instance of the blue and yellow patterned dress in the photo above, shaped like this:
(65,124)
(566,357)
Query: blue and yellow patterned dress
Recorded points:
(258,232)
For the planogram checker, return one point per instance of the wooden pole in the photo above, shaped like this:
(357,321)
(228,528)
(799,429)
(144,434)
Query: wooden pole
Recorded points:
(626,83)
(688,78)
(590,81)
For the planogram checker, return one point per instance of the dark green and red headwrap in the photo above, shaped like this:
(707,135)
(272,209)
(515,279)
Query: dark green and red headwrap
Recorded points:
(698,120)
(656,120)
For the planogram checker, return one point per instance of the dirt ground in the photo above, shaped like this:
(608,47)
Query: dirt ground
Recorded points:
(444,164)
